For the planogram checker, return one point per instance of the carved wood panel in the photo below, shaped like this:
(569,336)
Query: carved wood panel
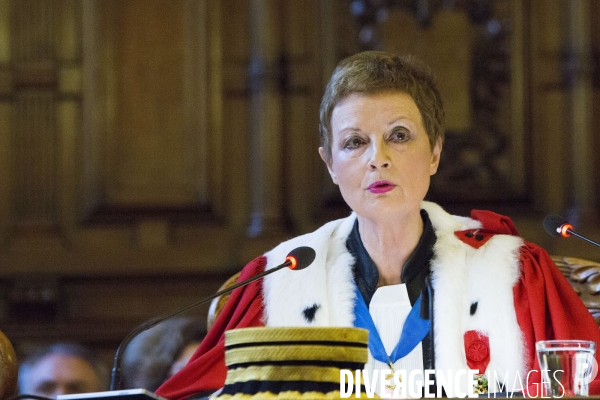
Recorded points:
(150,144)
(476,51)
(138,117)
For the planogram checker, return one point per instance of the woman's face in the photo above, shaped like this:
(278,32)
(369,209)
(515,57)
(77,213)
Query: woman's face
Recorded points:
(380,154)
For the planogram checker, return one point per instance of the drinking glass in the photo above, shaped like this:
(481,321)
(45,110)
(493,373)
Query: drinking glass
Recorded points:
(566,366)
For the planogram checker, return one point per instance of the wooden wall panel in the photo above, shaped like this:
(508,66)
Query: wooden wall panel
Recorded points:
(5,36)
(155,148)
(336,39)
(236,111)
(448,55)
(33,135)
(148,156)
(150,161)
(174,173)
(6,178)
(301,119)
(236,31)
(83,106)
(97,312)
(33,33)
(479,66)
(562,80)
(547,105)
(35,162)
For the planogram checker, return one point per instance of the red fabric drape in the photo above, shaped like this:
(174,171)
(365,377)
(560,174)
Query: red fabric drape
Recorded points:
(206,371)
(548,308)
(546,305)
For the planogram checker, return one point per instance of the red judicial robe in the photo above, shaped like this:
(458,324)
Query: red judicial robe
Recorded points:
(546,307)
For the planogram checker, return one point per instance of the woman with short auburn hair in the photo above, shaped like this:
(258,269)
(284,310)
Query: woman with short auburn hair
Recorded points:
(434,290)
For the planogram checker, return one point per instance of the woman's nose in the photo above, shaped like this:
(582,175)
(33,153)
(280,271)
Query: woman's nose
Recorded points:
(378,156)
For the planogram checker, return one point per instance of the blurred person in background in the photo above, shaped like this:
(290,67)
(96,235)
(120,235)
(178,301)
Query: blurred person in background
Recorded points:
(158,353)
(62,368)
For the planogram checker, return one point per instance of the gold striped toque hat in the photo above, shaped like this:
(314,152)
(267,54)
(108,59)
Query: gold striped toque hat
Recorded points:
(291,362)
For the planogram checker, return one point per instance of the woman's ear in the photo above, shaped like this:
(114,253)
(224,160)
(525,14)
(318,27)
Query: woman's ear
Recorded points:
(328,164)
(435,157)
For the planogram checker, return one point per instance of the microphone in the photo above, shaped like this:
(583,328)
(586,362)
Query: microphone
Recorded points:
(558,226)
(297,259)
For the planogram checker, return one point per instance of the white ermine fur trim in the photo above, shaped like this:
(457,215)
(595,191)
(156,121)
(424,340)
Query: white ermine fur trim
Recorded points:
(445,223)
(461,276)
(327,283)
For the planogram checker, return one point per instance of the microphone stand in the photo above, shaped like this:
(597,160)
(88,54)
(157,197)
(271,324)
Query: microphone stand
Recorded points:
(115,378)
(582,237)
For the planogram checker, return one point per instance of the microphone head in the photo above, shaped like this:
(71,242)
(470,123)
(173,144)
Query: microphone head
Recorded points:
(301,257)
(555,225)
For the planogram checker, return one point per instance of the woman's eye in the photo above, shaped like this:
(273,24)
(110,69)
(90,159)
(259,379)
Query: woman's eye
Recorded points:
(353,143)
(399,135)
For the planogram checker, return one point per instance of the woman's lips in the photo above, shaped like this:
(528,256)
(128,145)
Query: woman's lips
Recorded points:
(381,187)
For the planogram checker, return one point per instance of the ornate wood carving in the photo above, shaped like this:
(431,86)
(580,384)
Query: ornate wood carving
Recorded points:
(479,63)
(584,276)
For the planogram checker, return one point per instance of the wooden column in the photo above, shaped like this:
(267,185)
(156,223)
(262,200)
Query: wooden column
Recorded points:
(266,110)
(68,112)
(578,71)
(6,110)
